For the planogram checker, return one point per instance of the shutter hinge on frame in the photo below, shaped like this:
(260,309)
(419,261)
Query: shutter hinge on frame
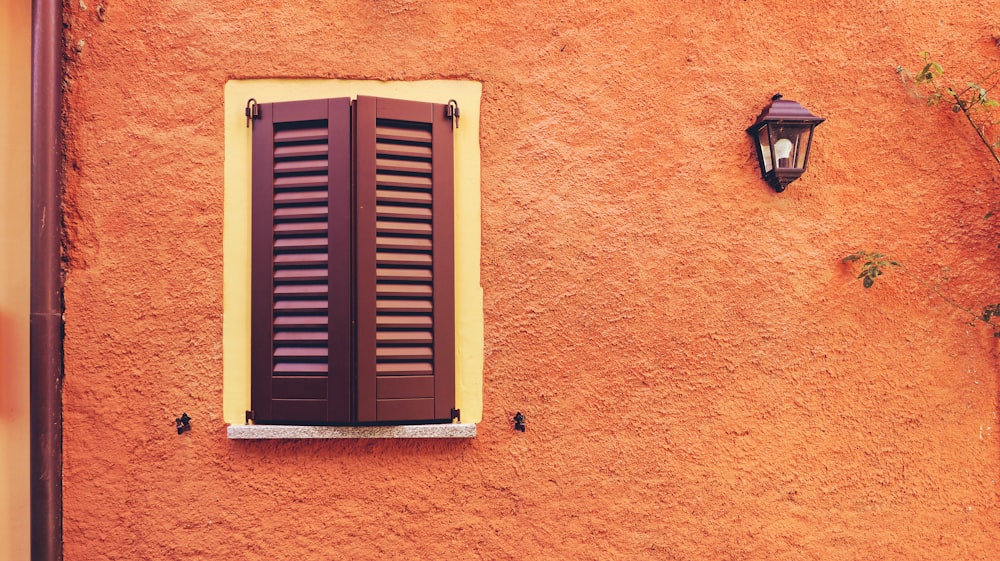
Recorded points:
(451,111)
(456,414)
(249,416)
(252,111)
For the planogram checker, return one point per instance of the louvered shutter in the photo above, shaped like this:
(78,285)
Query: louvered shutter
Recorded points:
(404,261)
(301,263)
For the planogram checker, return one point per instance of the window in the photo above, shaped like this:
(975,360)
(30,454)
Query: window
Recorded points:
(352,281)
(398,382)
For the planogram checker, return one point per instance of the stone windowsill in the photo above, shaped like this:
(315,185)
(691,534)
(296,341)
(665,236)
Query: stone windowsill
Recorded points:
(262,432)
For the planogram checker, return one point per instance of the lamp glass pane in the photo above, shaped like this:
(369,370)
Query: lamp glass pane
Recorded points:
(805,138)
(764,148)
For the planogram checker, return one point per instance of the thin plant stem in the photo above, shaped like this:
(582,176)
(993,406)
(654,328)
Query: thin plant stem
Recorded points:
(976,127)
(937,291)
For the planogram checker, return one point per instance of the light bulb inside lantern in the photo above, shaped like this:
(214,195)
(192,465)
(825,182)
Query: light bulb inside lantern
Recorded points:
(782,150)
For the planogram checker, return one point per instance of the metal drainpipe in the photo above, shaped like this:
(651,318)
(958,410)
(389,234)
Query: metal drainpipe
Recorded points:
(46,352)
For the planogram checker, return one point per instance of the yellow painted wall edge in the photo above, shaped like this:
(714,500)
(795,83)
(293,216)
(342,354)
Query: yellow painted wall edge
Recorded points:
(15,287)
(236,229)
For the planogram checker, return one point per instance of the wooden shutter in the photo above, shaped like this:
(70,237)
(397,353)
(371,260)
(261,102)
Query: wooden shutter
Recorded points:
(300,263)
(405,261)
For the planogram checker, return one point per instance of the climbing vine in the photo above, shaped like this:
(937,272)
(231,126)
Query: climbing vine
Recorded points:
(874,265)
(974,101)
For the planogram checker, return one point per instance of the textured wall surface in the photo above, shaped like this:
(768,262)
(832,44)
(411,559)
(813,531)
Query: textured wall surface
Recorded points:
(702,377)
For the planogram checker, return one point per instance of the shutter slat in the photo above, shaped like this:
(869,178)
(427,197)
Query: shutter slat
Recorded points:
(301,135)
(300,182)
(403,353)
(404,228)
(301,228)
(402,243)
(404,322)
(407,275)
(301,213)
(403,150)
(301,305)
(384,133)
(389,165)
(291,244)
(300,336)
(300,275)
(300,258)
(404,181)
(300,166)
(384,258)
(404,368)
(403,337)
(403,212)
(301,150)
(299,197)
(387,305)
(301,290)
(301,368)
(295,322)
(284,353)
(405,290)
(398,196)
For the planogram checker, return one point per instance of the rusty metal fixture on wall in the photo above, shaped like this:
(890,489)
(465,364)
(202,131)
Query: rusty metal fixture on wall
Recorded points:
(183,423)
(519,422)
(782,137)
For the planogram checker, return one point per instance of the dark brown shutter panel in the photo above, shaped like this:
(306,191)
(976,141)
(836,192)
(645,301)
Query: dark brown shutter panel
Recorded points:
(300,263)
(404,261)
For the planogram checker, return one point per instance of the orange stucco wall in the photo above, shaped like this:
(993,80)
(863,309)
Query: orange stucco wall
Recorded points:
(15,230)
(702,378)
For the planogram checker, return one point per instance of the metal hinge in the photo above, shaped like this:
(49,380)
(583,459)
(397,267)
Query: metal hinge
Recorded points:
(252,111)
(249,415)
(456,414)
(451,111)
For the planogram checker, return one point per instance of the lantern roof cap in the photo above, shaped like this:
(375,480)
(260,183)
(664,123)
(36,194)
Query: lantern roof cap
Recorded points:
(786,110)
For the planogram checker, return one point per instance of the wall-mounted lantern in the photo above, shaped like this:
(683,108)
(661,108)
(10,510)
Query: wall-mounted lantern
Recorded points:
(782,135)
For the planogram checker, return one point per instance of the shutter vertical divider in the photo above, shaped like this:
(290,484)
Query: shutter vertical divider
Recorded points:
(340,249)
(364,258)
(443,162)
(262,261)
